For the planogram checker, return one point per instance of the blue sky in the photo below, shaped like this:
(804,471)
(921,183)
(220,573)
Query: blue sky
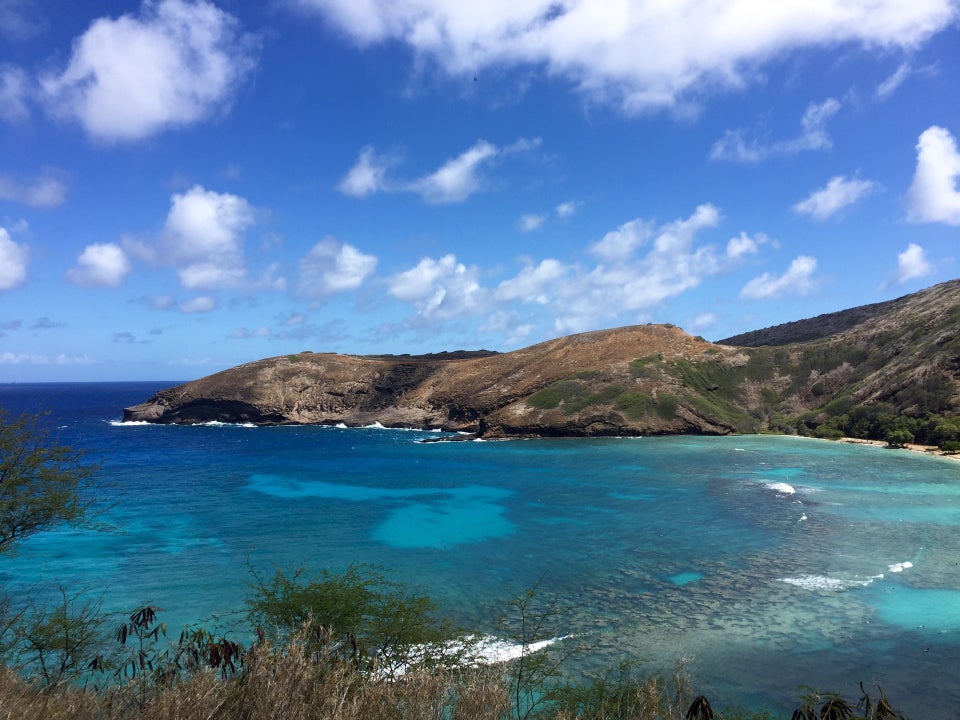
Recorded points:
(189,185)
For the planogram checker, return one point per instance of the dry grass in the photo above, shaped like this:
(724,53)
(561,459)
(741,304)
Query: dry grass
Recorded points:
(297,685)
(291,685)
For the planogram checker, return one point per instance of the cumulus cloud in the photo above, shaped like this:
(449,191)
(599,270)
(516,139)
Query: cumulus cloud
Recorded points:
(531,222)
(45,191)
(568,208)
(458,178)
(636,55)
(175,63)
(933,196)
(331,267)
(743,244)
(100,265)
(797,280)
(14,89)
(620,243)
(641,264)
(703,321)
(535,283)
(912,263)
(838,193)
(439,289)
(534,221)
(367,176)
(200,304)
(634,267)
(203,237)
(13,261)
(454,181)
(733,146)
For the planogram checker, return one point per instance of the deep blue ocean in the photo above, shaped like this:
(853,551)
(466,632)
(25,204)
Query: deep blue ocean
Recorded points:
(766,562)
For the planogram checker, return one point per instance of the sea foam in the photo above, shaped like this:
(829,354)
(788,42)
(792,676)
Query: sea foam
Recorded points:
(900,566)
(781,487)
(827,582)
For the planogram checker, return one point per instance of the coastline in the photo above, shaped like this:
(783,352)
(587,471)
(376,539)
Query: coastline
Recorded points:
(912,447)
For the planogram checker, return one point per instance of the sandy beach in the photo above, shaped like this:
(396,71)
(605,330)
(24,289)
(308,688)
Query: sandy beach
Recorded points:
(913,447)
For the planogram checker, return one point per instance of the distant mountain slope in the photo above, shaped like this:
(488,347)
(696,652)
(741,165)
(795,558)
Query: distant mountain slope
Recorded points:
(866,370)
(831,323)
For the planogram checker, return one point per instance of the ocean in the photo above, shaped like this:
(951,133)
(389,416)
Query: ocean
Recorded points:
(765,563)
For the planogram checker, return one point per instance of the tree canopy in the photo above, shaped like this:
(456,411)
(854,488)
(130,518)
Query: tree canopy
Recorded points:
(43,484)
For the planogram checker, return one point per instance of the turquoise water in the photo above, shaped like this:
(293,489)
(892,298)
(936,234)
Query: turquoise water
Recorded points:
(768,562)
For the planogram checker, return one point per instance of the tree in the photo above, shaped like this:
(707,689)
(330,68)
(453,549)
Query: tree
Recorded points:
(43,484)
(356,615)
(899,438)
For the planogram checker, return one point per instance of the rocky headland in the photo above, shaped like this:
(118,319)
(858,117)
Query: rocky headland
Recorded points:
(901,357)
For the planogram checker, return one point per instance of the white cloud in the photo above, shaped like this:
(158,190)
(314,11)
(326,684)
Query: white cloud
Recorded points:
(933,196)
(912,263)
(535,283)
(45,191)
(797,280)
(531,222)
(100,265)
(641,265)
(331,267)
(568,208)
(620,243)
(243,333)
(440,289)
(9,358)
(176,63)
(838,193)
(200,304)
(638,266)
(13,94)
(454,181)
(367,176)
(20,19)
(458,178)
(203,237)
(813,136)
(703,321)
(895,80)
(636,55)
(534,221)
(13,261)
(744,244)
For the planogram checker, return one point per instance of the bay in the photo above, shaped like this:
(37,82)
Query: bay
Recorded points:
(766,562)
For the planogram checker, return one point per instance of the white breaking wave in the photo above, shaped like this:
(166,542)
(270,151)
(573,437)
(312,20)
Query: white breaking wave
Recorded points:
(128,423)
(218,423)
(493,651)
(781,487)
(473,649)
(826,582)
(900,566)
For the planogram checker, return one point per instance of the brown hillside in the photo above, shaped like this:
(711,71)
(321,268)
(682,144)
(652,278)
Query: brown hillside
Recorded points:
(856,369)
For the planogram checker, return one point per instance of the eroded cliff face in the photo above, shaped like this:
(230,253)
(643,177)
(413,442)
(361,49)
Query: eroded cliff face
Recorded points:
(903,355)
